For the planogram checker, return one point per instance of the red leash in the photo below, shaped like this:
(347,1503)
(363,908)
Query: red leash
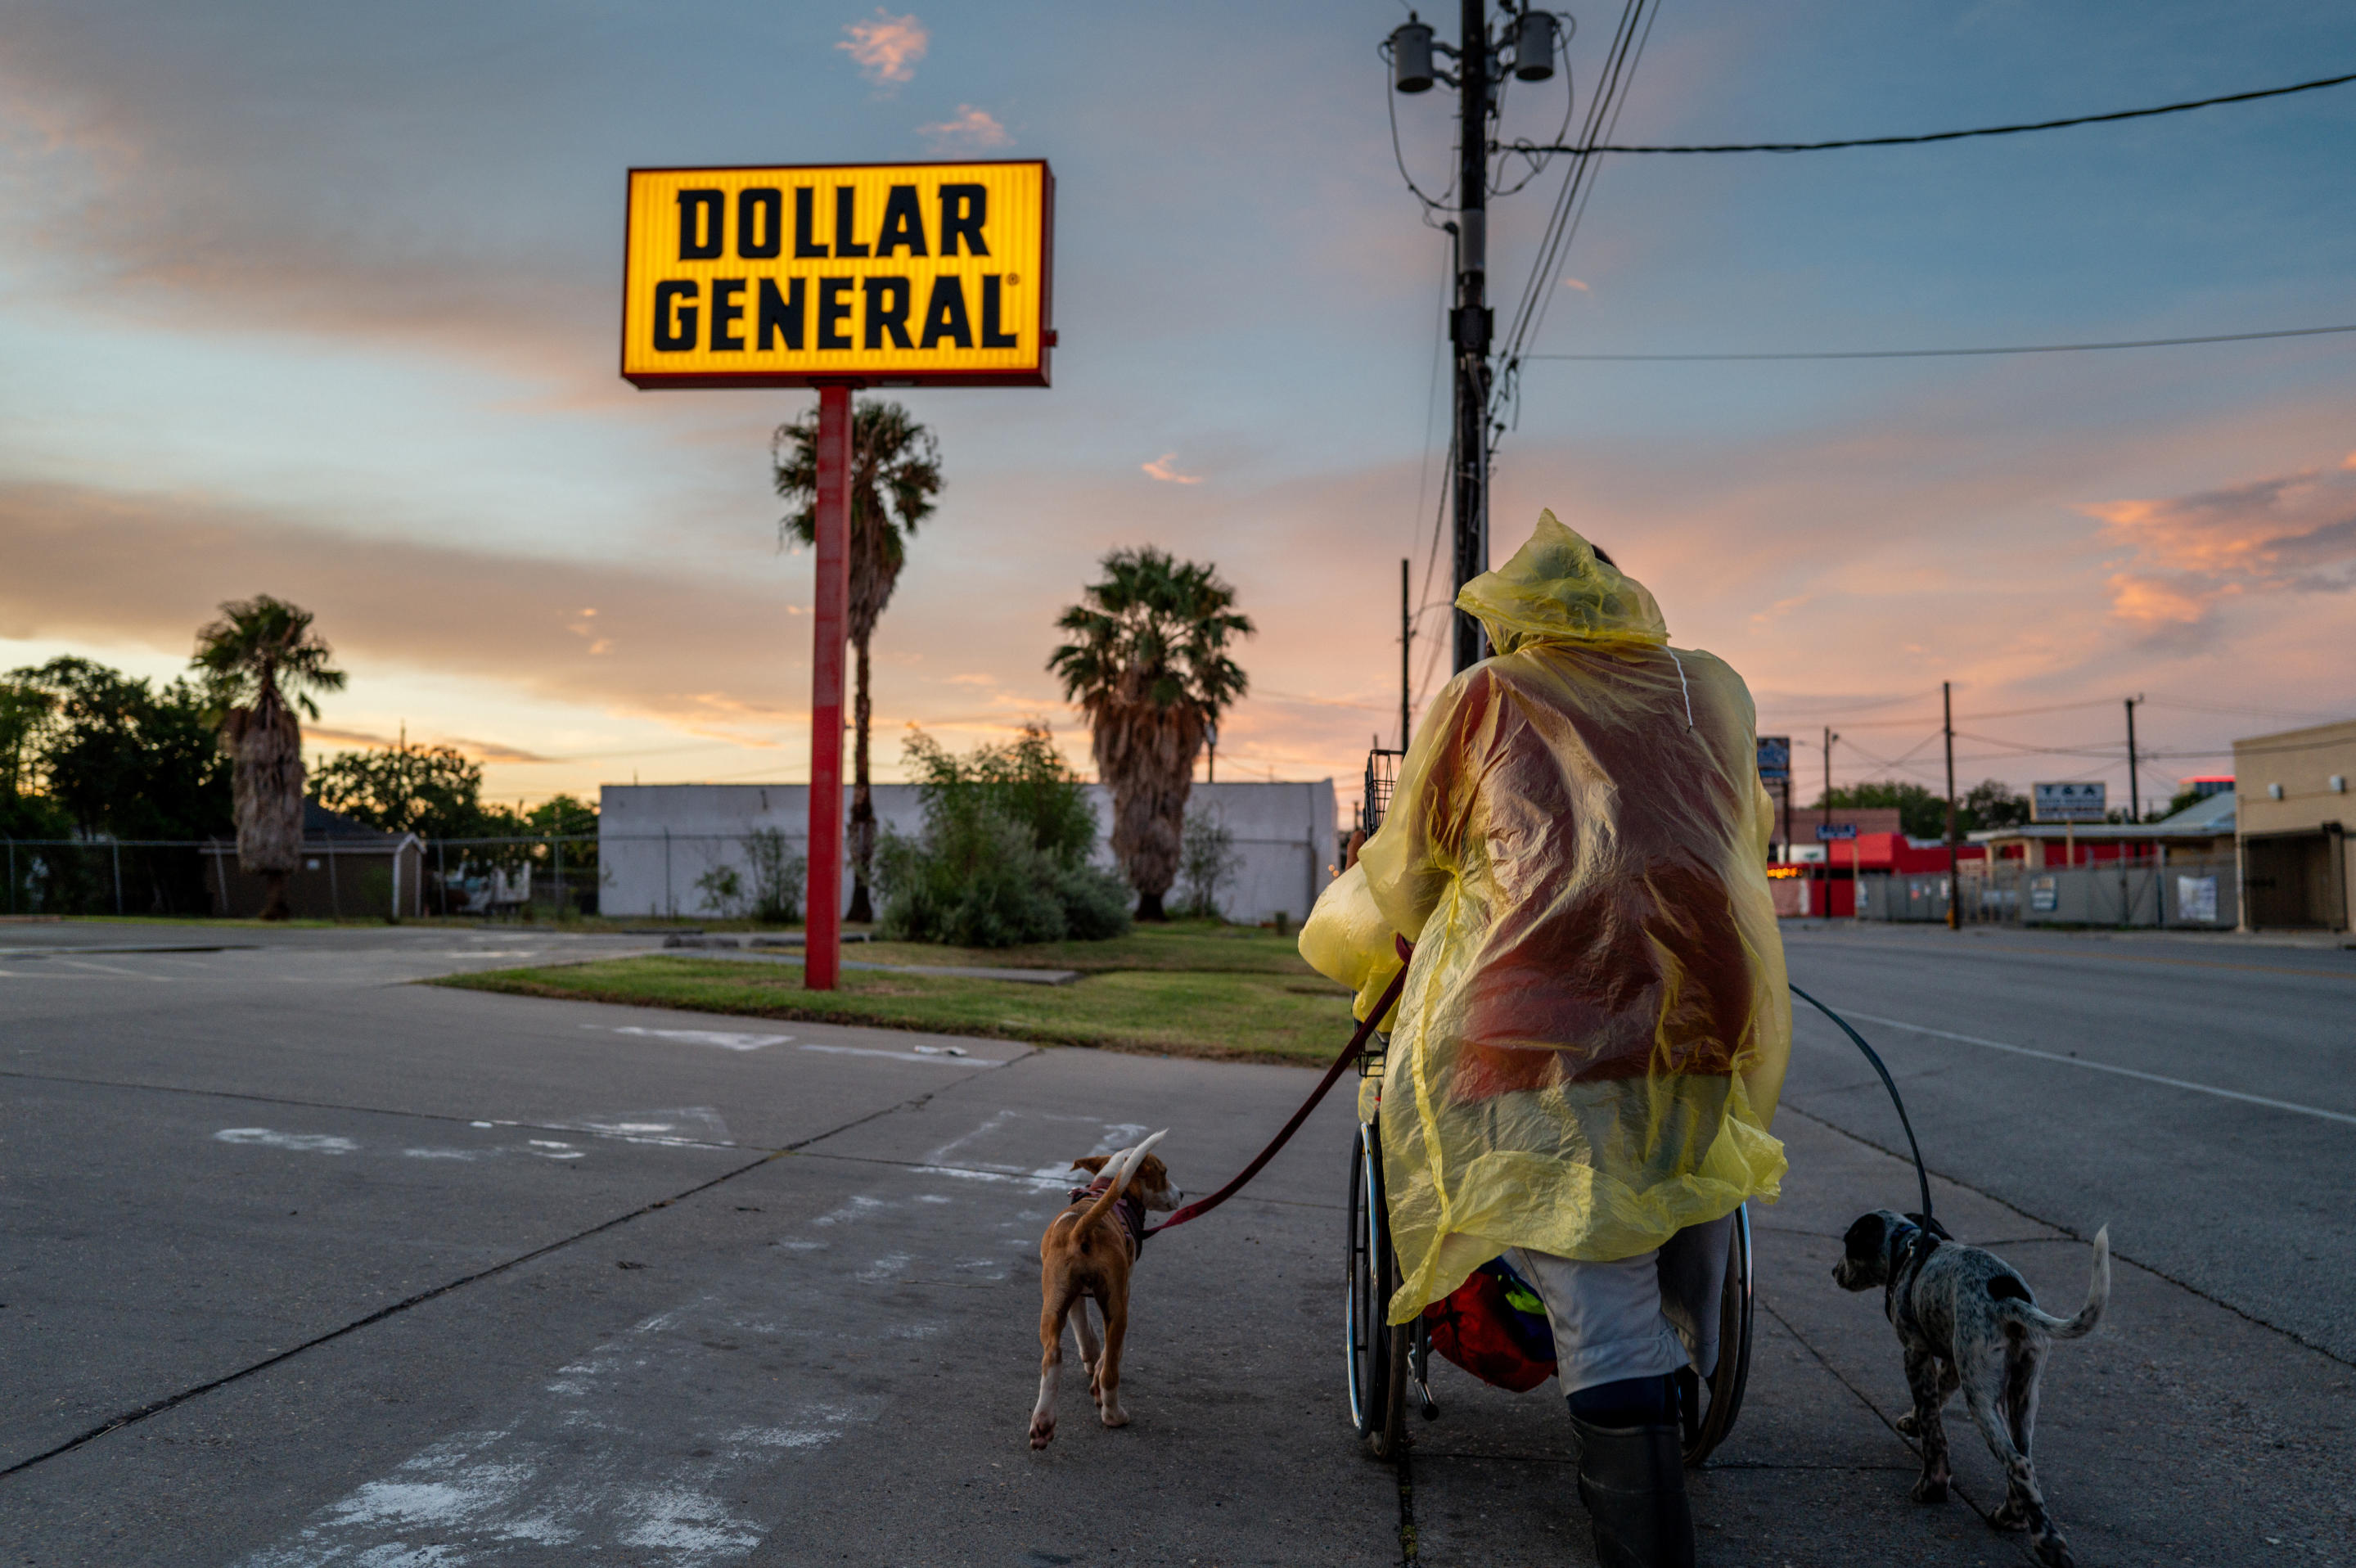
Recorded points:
(1350,1053)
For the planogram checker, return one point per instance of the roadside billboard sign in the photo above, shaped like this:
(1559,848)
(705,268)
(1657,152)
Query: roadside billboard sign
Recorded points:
(889,275)
(837,276)
(2069,802)
(1774,757)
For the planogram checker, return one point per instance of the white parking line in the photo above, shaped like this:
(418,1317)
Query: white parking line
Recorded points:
(2105,1066)
(939,1056)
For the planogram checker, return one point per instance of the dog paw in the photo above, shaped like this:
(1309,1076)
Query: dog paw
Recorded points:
(1908,1426)
(1927,1490)
(2012,1516)
(1112,1414)
(2054,1553)
(1042,1431)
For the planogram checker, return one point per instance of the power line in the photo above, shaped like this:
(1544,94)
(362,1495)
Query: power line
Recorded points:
(1963,353)
(1953,135)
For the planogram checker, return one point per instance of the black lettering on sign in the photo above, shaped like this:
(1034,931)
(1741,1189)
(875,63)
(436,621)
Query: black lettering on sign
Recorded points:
(832,308)
(805,245)
(675,314)
(727,310)
(775,317)
(964,210)
(945,315)
(760,223)
(992,337)
(887,311)
(702,215)
(845,197)
(904,224)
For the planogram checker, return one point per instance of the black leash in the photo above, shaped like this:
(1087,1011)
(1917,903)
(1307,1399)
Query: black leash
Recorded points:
(1921,1175)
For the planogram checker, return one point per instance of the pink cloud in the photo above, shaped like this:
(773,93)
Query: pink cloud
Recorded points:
(2293,533)
(1165,468)
(888,47)
(970,127)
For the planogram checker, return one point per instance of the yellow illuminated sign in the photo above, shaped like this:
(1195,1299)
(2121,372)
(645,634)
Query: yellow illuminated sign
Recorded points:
(933,273)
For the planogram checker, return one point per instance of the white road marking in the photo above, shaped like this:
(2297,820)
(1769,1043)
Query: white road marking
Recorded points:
(906,1056)
(607,1457)
(2121,1071)
(110,969)
(302,1143)
(723,1038)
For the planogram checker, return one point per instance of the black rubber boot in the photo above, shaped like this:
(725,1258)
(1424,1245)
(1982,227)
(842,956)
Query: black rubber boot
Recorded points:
(1632,1480)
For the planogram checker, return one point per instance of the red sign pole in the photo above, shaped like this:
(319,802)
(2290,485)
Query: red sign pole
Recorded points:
(822,950)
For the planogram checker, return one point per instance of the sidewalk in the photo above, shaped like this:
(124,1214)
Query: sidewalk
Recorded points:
(2178,1431)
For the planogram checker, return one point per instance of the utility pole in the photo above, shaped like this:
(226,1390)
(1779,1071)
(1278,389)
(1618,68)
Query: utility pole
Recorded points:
(2135,797)
(1472,323)
(1481,60)
(1407,639)
(1829,738)
(1954,886)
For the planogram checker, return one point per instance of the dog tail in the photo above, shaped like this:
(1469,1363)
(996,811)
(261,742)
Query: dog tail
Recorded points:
(2098,1295)
(1123,1168)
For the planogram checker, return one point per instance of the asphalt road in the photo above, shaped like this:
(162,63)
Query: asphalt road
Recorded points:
(303,1265)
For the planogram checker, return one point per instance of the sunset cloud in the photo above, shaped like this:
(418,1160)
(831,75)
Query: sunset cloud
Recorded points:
(888,47)
(1165,470)
(2295,532)
(970,128)
(1574,282)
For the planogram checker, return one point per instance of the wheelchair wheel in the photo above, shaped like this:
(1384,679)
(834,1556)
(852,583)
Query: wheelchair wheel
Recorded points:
(1706,1409)
(1377,1352)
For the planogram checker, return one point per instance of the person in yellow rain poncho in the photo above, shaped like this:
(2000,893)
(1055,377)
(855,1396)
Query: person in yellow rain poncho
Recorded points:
(1585,1060)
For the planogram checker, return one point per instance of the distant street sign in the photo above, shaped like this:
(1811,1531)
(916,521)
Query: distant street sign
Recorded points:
(1826,832)
(890,273)
(2069,802)
(1774,757)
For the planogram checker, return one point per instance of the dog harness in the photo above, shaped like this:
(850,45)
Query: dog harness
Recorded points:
(1129,1211)
(1915,1250)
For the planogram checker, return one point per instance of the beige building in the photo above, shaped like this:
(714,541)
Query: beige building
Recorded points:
(2294,807)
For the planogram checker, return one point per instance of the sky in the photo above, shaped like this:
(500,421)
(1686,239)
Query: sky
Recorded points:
(323,302)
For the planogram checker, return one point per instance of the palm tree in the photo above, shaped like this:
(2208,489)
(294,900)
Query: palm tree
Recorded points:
(1148,664)
(896,472)
(260,653)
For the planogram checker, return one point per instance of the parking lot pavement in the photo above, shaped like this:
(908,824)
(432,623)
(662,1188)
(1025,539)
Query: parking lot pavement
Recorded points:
(393,1274)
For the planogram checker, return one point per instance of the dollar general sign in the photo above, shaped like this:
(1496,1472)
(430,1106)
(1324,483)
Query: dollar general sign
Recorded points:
(888,273)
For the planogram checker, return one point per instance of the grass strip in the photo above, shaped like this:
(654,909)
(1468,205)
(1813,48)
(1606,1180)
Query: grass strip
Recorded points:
(1236,1014)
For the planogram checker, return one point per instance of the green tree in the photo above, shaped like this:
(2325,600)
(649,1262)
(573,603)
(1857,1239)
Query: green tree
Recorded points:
(118,756)
(1004,855)
(24,710)
(433,792)
(896,472)
(259,662)
(1148,664)
(1922,815)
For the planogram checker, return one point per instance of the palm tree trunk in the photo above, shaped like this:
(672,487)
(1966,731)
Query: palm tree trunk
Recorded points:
(266,785)
(863,800)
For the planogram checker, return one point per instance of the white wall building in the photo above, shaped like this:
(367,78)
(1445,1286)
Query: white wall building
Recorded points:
(656,841)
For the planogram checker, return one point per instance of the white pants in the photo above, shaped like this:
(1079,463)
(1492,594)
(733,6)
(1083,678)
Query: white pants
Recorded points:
(1634,1317)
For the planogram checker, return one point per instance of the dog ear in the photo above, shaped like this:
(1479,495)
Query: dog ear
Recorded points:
(1092,1164)
(1866,1239)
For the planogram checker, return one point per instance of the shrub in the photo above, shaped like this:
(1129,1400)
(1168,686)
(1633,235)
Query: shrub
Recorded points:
(1207,862)
(777,876)
(1003,857)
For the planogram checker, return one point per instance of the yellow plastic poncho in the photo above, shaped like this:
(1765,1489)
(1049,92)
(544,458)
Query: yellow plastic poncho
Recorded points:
(1594,1030)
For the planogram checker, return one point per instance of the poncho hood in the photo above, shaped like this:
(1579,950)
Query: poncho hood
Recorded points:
(1556,590)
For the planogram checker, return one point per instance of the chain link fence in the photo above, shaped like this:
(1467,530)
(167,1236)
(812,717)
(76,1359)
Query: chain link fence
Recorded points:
(394,876)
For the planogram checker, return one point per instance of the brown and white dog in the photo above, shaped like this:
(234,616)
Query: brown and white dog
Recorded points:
(1087,1255)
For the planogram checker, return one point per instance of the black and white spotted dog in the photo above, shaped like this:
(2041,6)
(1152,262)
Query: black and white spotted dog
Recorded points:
(1965,1320)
